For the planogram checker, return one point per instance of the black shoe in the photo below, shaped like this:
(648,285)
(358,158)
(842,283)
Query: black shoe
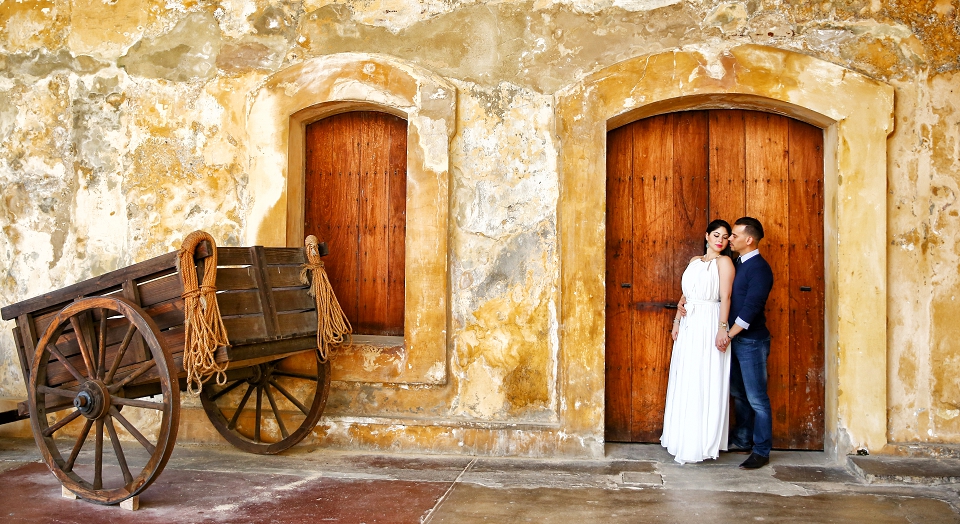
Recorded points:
(755,462)
(740,451)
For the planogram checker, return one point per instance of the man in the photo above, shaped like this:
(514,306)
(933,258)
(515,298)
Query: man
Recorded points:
(750,341)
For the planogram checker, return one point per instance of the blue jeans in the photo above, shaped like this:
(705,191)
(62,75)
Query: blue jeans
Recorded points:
(748,387)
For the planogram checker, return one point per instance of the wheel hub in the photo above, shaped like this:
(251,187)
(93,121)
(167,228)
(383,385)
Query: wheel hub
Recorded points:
(261,375)
(93,400)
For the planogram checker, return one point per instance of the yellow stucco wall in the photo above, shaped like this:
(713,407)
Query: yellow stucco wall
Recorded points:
(126,125)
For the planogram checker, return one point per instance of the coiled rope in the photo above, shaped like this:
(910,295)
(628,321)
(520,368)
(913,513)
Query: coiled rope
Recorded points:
(203,328)
(333,327)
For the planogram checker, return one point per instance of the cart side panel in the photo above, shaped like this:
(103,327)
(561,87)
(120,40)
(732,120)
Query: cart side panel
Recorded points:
(296,309)
(303,323)
(288,309)
(233,256)
(25,336)
(158,295)
(238,303)
(266,309)
(284,277)
(98,286)
(153,284)
(293,300)
(285,256)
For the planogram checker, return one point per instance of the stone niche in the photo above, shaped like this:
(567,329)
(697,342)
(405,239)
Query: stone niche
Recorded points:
(281,109)
(856,114)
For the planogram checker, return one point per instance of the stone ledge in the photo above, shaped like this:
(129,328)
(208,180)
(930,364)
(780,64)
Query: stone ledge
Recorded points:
(887,469)
(922,450)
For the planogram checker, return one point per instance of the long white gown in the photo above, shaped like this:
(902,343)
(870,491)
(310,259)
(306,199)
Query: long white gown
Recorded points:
(695,420)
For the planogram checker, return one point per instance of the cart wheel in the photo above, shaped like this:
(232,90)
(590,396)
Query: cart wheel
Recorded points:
(86,362)
(293,390)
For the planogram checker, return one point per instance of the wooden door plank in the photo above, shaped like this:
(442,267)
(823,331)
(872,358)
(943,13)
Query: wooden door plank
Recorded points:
(680,213)
(346,163)
(688,223)
(691,175)
(647,160)
(767,200)
(727,169)
(653,271)
(397,226)
(374,207)
(806,287)
(333,200)
(619,284)
(319,179)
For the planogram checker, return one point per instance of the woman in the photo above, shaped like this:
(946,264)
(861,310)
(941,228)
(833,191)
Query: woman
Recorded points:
(695,419)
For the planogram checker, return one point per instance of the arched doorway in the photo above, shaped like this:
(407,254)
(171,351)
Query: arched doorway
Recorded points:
(355,193)
(667,176)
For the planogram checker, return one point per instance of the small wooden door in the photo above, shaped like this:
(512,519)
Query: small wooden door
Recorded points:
(667,176)
(356,185)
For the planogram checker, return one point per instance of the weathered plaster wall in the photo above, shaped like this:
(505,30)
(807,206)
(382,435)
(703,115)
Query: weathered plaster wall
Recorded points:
(124,125)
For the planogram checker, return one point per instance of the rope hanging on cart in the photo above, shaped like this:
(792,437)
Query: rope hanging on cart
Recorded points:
(203,327)
(333,328)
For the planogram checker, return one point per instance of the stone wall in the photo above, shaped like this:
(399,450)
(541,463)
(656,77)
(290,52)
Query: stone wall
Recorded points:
(125,125)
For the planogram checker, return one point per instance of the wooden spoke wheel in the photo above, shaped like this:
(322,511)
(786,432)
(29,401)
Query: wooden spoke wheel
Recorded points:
(95,359)
(269,407)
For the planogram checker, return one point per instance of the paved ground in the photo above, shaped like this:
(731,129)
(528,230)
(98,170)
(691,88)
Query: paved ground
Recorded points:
(634,483)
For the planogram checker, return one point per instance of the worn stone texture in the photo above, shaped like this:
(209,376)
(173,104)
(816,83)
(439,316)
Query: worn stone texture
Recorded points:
(125,125)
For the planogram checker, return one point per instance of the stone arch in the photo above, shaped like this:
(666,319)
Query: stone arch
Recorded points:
(856,114)
(276,118)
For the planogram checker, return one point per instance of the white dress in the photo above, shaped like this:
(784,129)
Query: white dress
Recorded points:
(695,420)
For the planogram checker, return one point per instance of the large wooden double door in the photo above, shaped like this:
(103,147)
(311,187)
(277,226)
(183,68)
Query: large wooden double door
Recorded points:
(667,177)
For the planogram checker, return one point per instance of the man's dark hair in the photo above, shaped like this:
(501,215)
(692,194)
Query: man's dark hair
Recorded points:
(751,226)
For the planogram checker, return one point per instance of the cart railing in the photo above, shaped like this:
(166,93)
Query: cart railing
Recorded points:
(265,310)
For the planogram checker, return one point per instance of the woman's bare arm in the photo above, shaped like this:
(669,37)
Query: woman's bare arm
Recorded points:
(727,272)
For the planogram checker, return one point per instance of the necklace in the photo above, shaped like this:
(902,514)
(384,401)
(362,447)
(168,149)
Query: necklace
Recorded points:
(705,259)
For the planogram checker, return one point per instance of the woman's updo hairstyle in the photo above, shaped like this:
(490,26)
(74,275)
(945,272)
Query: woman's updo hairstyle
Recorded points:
(713,226)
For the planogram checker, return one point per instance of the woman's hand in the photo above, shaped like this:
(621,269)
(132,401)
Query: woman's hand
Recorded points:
(722,340)
(676,331)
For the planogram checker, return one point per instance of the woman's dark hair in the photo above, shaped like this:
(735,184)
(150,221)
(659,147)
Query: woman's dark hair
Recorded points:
(713,226)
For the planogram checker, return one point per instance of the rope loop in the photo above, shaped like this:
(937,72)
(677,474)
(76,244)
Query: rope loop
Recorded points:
(333,327)
(203,327)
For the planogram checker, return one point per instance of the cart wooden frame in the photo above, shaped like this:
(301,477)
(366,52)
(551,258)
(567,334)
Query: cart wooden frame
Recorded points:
(97,351)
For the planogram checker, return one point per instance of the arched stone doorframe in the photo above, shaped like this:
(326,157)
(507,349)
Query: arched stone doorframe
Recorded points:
(277,114)
(856,114)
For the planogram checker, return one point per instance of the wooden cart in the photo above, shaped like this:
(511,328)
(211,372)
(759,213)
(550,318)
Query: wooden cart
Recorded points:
(105,355)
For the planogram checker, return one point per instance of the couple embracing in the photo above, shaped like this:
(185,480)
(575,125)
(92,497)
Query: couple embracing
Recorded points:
(720,350)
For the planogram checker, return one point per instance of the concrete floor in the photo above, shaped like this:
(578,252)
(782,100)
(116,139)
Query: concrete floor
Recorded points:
(634,483)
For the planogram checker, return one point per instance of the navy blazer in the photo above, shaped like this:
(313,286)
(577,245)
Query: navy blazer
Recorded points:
(748,298)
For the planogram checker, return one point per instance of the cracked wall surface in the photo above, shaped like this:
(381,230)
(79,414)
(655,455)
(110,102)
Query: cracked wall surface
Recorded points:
(124,126)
